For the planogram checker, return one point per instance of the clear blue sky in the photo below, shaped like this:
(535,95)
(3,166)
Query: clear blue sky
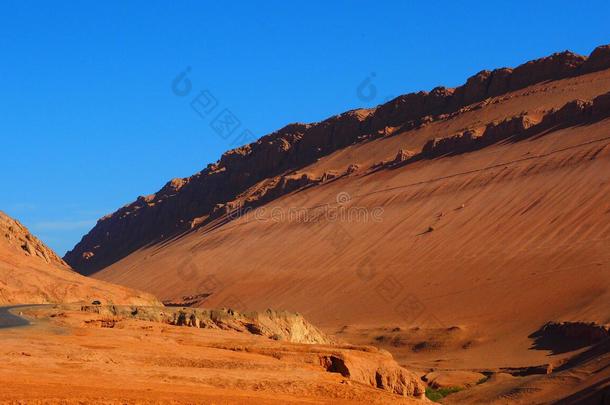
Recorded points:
(89,121)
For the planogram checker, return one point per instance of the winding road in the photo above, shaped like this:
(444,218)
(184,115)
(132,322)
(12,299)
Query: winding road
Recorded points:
(9,320)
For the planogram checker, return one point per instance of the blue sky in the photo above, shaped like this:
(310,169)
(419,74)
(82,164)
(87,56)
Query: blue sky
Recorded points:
(89,120)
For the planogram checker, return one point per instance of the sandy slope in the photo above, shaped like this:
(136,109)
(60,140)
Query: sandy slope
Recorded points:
(495,242)
(263,170)
(519,228)
(31,273)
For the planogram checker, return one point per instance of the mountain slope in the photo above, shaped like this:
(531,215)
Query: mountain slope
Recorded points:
(464,227)
(183,204)
(30,273)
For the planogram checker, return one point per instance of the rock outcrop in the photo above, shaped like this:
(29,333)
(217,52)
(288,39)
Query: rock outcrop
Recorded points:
(290,340)
(24,242)
(568,336)
(598,60)
(186,203)
(403,156)
(377,369)
(520,126)
(276,325)
(31,273)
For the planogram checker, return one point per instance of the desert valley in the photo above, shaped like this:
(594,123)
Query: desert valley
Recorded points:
(450,245)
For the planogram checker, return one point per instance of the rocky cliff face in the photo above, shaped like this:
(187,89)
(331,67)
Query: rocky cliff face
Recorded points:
(377,369)
(218,189)
(520,126)
(31,273)
(23,242)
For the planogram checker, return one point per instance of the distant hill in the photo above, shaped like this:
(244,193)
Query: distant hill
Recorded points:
(30,272)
